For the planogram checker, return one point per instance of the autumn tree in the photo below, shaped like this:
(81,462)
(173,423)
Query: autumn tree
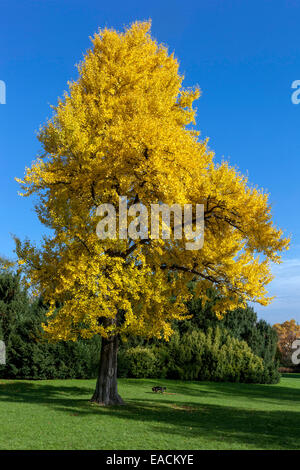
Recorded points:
(125,129)
(287,333)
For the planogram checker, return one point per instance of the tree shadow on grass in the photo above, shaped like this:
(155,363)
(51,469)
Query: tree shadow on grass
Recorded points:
(169,415)
(291,375)
(274,394)
(44,394)
(257,429)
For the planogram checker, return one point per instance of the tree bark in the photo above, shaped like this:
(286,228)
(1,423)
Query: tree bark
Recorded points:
(106,392)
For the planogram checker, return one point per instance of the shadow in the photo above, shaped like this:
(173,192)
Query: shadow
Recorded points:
(264,392)
(274,394)
(179,414)
(173,386)
(45,394)
(291,375)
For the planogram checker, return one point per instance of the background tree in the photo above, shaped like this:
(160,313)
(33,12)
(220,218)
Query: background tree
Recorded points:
(287,332)
(123,130)
(29,355)
(14,306)
(191,348)
(241,322)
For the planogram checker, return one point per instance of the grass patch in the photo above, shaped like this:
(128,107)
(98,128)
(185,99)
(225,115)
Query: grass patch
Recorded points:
(56,414)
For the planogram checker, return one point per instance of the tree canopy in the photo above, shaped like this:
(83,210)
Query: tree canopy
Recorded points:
(125,128)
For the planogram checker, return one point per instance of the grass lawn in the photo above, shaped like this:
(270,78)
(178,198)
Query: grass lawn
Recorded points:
(56,414)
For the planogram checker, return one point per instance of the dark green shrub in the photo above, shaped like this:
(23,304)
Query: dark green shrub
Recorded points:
(215,356)
(123,364)
(29,356)
(181,358)
(141,362)
(237,363)
(242,324)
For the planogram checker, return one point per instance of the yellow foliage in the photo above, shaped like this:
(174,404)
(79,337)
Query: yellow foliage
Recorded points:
(122,129)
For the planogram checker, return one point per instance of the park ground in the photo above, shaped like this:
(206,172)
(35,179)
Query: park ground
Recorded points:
(57,414)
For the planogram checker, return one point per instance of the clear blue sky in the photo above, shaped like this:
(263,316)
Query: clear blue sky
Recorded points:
(244,54)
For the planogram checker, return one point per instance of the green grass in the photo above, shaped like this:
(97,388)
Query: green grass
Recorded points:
(56,414)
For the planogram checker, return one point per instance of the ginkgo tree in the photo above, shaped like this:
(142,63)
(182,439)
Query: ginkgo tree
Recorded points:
(126,128)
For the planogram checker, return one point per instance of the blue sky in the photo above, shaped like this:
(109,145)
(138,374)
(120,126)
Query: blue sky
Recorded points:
(244,55)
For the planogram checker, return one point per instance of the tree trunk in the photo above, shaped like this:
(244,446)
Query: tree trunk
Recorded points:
(106,392)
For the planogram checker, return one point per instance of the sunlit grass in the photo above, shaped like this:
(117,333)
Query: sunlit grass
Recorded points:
(57,414)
